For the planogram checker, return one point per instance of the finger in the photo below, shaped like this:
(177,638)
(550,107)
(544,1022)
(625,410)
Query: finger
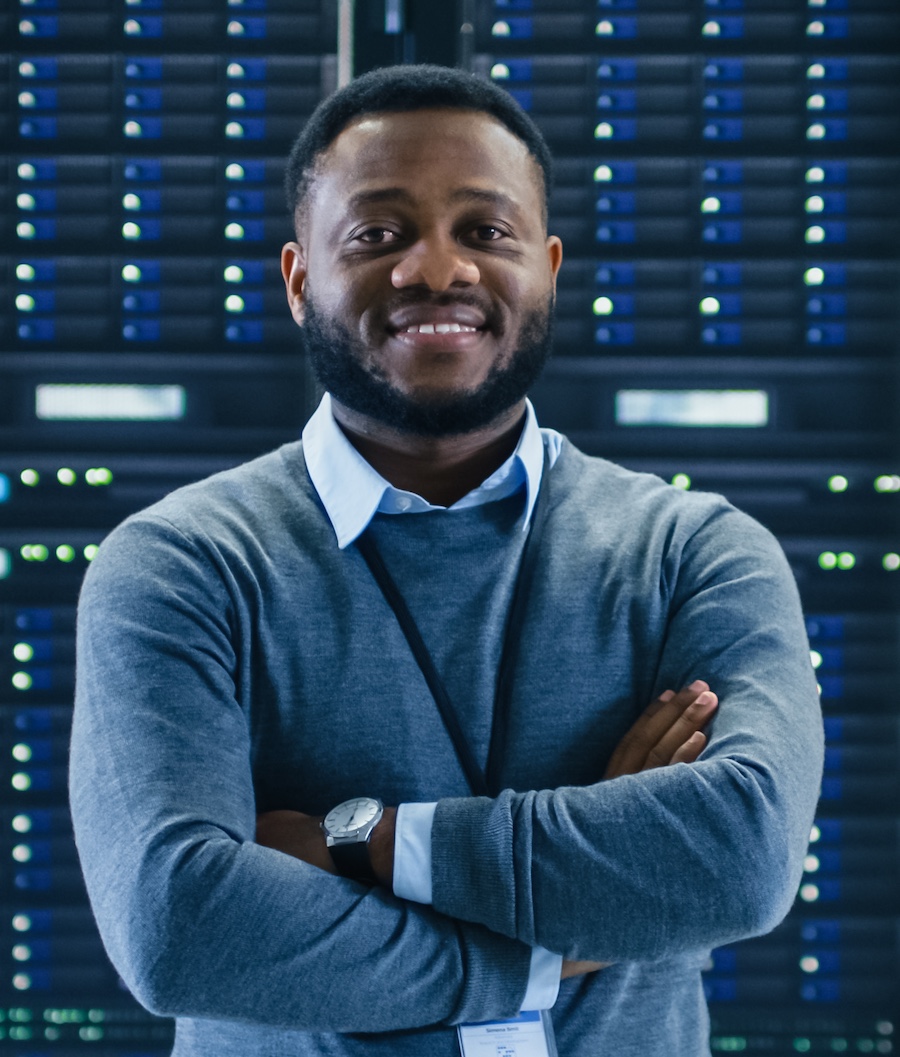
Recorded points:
(629,749)
(691,750)
(633,751)
(692,720)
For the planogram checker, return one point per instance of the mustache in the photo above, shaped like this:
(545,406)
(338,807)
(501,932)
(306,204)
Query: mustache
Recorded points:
(413,298)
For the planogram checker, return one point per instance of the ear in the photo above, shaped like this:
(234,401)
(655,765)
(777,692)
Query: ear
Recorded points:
(554,255)
(293,269)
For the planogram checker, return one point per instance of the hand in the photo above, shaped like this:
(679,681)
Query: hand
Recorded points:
(667,731)
(295,834)
(301,835)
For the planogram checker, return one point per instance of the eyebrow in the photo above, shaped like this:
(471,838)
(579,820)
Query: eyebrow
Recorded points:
(377,196)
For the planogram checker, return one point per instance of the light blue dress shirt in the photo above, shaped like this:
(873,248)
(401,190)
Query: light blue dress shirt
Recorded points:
(352,492)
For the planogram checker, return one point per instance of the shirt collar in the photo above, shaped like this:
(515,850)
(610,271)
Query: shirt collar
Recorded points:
(352,492)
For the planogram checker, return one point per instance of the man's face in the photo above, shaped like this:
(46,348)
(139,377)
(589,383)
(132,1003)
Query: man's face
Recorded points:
(423,277)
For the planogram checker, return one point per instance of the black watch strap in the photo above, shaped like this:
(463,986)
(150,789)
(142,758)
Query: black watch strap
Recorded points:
(352,860)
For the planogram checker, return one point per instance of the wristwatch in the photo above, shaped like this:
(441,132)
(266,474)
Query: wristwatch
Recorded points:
(348,828)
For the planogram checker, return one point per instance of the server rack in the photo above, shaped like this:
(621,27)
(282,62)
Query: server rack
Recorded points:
(727,318)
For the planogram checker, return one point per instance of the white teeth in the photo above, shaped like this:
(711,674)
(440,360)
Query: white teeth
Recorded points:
(439,328)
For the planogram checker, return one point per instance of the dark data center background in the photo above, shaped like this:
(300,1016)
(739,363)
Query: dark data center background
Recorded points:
(728,185)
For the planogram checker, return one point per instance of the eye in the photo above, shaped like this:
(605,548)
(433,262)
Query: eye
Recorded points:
(489,233)
(377,236)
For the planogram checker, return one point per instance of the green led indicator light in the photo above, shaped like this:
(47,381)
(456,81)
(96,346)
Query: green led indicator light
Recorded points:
(35,552)
(21,782)
(22,824)
(839,1045)
(21,982)
(131,202)
(605,28)
(814,276)
(25,272)
(5,563)
(65,553)
(66,476)
(814,235)
(23,652)
(22,853)
(891,562)
(90,1034)
(234,303)
(710,205)
(21,680)
(887,483)
(21,752)
(30,478)
(90,552)
(234,171)
(233,274)
(20,1016)
(603,306)
(604,131)
(711,29)
(235,101)
(709,306)
(234,231)
(234,130)
(499,71)
(98,475)
(24,201)
(603,174)
(846,560)
(25,170)
(838,483)
(682,481)
(802,1045)
(815,658)
(827,560)
(728,1044)
(131,273)
(21,922)
(25,303)
(19,1032)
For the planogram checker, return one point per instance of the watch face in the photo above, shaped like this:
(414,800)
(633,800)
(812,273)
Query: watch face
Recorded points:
(347,818)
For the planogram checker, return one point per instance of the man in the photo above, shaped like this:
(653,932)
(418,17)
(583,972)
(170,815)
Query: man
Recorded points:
(433,602)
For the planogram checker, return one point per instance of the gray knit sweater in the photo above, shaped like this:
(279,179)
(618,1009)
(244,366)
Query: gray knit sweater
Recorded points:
(231,659)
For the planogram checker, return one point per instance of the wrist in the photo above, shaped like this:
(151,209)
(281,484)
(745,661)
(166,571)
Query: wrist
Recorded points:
(381,848)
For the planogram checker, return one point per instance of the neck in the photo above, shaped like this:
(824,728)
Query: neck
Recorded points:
(440,469)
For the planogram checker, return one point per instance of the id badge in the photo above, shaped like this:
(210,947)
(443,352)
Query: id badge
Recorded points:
(530,1034)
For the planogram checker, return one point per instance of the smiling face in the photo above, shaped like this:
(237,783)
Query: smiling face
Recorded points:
(422,276)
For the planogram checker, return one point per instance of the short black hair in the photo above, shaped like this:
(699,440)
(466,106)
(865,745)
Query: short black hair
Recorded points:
(402,89)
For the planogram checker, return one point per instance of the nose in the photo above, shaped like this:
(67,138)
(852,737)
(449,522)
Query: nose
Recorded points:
(437,263)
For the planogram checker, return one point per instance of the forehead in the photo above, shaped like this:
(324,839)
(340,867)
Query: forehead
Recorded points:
(434,152)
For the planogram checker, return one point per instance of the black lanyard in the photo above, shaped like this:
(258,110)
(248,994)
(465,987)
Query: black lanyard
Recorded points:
(480,783)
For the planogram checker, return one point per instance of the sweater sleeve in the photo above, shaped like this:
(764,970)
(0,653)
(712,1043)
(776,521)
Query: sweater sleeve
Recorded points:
(198,919)
(685,857)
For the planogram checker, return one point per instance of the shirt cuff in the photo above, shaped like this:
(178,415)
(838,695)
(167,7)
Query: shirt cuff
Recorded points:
(543,979)
(412,852)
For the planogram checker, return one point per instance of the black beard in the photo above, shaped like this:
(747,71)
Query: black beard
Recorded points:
(337,361)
